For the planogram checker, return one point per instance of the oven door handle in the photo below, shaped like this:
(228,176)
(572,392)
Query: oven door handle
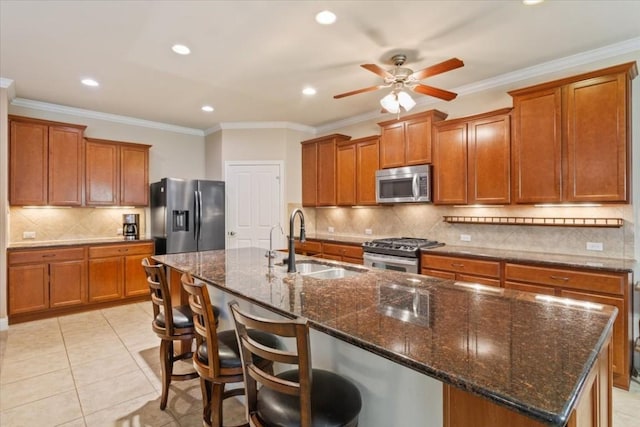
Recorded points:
(388,260)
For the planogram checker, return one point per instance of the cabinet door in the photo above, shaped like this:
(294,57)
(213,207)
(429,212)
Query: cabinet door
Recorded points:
(489,160)
(418,141)
(135,277)
(537,147)
(597,140)
(134,175)
(102,174)
(392,151)
(67,283)
(619,327)
(106,278)
(28,288)
(346,175)
(310,174)
(450,164)
(327,173)
(65,166)
(367,163)
(28,163)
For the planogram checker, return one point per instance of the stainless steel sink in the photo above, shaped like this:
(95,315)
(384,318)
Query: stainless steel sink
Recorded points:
(321,271)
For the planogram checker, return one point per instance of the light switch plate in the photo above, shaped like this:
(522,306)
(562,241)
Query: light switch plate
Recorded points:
(29,235)
(368,231)
(465,237)
(330,229)
(595,246)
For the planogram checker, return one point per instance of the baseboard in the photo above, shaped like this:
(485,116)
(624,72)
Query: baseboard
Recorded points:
(4,323)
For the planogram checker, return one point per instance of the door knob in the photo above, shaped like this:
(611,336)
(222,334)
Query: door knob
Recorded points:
(232,233)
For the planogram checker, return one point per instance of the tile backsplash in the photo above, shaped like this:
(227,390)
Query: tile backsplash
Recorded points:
(426,220)
(64,224)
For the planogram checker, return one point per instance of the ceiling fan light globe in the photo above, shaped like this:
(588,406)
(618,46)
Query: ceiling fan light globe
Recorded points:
(405,101)
(390,103)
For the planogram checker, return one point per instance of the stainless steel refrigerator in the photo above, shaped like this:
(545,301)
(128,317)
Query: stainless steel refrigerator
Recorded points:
(187,215)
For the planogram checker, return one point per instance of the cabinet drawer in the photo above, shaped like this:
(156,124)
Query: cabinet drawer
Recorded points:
(120,250)
(575,279)
(462,265)
(46,255)
(308,246)
(342,250)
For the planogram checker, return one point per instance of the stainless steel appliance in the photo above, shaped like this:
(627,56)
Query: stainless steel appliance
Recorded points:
(131,226)
(406,184)
(187,215)
(399,254)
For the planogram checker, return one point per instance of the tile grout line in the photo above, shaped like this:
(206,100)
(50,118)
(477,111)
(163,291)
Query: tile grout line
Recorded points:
(75,385)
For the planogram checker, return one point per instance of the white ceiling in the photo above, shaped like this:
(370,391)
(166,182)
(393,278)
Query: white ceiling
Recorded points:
(251,59)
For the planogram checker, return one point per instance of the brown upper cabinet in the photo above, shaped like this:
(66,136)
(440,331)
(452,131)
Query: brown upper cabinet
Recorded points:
(45,162)
(471,159)
(571,138)
(319,170)
(117,173)
(356,164)
(407,141)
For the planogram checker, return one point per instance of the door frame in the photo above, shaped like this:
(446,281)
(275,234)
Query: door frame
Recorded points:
(283,199)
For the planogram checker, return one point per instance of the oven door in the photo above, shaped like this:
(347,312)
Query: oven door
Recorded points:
(390,262)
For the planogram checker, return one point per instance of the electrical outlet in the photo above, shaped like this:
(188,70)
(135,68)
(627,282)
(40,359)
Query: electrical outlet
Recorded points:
(119,231)
(368,231)
(465,237)
(330,229)
(595,246)
(29,235)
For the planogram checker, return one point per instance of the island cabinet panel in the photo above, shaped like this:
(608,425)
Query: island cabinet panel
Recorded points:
(408,141)
(46,279)
(45,162)
(608,288)
(117,173)
(319,177)
(471,158)
(461,268)
(571,138)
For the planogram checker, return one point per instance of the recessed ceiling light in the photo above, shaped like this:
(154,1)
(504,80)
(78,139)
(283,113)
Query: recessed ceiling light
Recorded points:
(181,49)
(326,17)
(207,108)
(90,82)
(309,91)
(531,2)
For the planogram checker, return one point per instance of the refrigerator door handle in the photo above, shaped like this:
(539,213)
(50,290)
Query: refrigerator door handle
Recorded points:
(199,197)
(196,220)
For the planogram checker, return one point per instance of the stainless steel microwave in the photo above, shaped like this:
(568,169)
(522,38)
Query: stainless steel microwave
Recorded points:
(406,184)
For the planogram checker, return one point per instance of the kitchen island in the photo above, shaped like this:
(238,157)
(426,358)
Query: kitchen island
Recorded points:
(505,357)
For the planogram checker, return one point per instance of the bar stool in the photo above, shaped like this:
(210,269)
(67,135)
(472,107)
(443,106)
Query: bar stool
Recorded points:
(170,324)
(217,357)
(302,397)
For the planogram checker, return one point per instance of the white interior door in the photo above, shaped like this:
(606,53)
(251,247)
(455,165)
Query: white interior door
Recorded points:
(254,200)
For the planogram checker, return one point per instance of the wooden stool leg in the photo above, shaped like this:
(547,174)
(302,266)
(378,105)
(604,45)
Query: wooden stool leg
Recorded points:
(166,348)
(205,386)
(217,394)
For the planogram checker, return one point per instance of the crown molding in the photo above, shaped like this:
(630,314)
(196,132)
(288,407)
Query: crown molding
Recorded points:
(79,112)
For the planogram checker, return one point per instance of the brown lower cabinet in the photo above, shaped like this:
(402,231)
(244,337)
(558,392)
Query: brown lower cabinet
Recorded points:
(48,282)
(460,268)
(329,250)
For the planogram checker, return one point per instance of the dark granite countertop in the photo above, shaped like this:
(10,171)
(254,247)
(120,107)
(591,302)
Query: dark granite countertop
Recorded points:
(550,259)
(62,243)
(527,354)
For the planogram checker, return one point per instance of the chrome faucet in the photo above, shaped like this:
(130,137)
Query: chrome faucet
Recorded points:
(271,254)
(292,249)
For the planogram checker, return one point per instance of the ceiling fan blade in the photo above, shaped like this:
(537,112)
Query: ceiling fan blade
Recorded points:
(448,65)
(377,70)
(434,91)
(355,92)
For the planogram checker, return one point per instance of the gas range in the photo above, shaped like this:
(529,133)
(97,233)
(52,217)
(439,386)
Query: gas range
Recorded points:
(407,247)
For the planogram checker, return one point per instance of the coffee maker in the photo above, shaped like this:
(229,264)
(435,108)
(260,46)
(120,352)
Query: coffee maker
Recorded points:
(131,226)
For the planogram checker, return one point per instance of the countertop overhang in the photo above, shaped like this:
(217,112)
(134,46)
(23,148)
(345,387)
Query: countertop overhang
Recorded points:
(531,355)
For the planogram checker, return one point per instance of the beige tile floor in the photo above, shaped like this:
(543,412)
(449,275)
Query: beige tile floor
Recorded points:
(101,368)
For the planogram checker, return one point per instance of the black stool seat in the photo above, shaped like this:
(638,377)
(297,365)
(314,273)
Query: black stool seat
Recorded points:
(335,402)
(228,350)
(183,316)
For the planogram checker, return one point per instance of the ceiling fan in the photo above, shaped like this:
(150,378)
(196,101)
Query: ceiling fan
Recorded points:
(400,78)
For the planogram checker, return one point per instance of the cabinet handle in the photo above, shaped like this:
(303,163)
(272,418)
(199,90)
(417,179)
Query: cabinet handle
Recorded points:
(49,256)
(123,250)
(564,279)
(457,264)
